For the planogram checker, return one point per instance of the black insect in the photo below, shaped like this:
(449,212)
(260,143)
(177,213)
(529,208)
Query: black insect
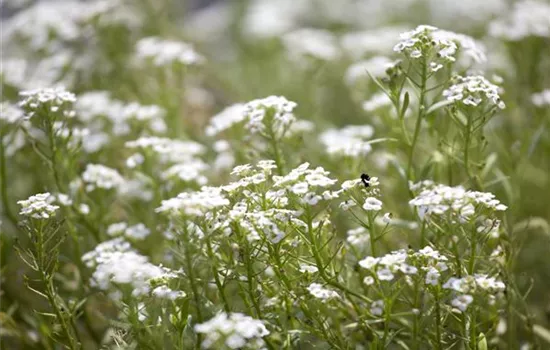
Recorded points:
(365,178)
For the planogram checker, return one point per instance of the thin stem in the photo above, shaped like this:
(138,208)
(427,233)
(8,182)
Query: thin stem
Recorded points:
(437,319)
(217,277)
(420,116)
(4,185)
(191,275)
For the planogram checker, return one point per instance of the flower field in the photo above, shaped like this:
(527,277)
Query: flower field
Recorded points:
(275,174)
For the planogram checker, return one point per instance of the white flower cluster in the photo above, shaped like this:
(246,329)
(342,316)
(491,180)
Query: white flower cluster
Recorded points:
(224,120)
(440,199)
(138,231)
(370,42)
(386,266)
(439,46)
(421,43)
(473,91)
(234,330)
(10,113)
(375,66)
(190,171)
(115,263)
(528,18)
(48,100)
(104,115)
(168,150)
(358,236)
(38,206)
(468,46)
(428,262)
(167,52)
(319,292)
(372,204)
(476,284)
(541,99)
(48,25)
(273,112)
(308,186)
(197,203)
(316,43)
(99,176)
(432,263)
(350,141)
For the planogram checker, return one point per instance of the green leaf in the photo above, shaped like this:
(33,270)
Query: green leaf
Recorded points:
(482,342)
(542,332)
(405,105)
(438,105)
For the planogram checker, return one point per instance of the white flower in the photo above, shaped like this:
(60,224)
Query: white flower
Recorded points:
(166,52)
(164,292)
(317,178)
(235,330)
(267,165)
(319,292)
(377,308)
(134,160)
(224,120)
(369,280)
(139,231)
(528,18)
(541,99)
(117,228)
(372,204)
(432,276)
(52,99)
(308,268)
(377,101)
(115,263)
(84,209)
(168,150)
(241,170)
(311,198)
(194,203)
(100,176)
(439,199)
(277,108)
(369,262)
(358,236)
(427,40)
(375,66)
(10,113)
(38,206)
(462,302)
(316,43)
(351,141)
(385,275)
(349,184)
(474,90)
(190,171)
(347,205)
(300,188)
(387,218)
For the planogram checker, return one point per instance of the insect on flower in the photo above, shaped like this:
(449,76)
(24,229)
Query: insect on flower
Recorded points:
(365,178)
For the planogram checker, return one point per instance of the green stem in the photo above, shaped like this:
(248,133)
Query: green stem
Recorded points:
(420,116)
(471,263)
(217,277)
(4,185)
(49,290)
(192,280)
(437,319)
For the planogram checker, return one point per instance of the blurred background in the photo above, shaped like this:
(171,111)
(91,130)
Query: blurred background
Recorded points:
(315,52)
